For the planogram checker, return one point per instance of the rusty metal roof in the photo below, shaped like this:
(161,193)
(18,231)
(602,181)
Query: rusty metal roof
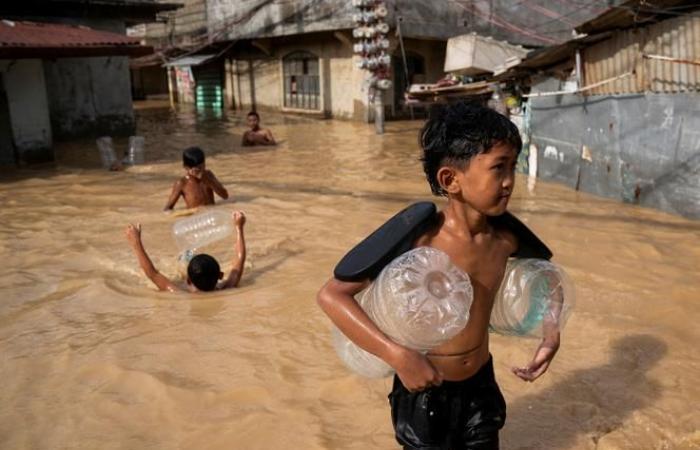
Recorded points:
(632,13)
(21,39)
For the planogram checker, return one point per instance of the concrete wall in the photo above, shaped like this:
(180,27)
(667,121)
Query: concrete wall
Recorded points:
(517,22)
(89,96)
(240,19)
(184,26)
(642,149)
(341,82)
(28,109)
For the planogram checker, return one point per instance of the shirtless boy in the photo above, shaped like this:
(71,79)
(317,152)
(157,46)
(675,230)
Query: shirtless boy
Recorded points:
(203,271)
(449,398)
(198,185)
(256,135)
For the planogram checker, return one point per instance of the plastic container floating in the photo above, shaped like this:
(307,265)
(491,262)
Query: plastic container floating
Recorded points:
(135,153)
(107,155)
(202,229)
(183,261)
(419,300)
(358,360)
(536,296)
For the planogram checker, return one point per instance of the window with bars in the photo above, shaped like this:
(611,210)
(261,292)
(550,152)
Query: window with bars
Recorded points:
(301,81)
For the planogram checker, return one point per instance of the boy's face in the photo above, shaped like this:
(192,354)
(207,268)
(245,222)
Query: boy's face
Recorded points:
(196,171)
(253,122)
(487,182)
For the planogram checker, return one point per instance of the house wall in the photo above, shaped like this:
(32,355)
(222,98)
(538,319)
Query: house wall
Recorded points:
(642,148)
(516,22)
(89,96)
(258,80)
(183,27)
(343,88)
(149,81)
(28,108)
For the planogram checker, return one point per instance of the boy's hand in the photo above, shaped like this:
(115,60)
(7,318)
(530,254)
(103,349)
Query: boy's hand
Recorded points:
(196,172)
(540,362)
(416,372)
(133,233)
(238,218)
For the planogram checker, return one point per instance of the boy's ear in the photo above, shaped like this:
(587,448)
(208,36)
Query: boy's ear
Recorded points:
(221,275)
(447,178)
(189,282)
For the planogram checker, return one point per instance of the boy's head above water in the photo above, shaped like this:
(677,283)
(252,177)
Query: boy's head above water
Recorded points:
(469,154)
(203,272)
(253,120)
(193,161)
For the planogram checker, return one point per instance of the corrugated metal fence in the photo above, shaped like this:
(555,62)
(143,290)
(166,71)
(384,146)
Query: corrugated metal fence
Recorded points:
(642,52)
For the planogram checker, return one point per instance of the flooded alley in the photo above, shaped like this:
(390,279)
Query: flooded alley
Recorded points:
(94,357)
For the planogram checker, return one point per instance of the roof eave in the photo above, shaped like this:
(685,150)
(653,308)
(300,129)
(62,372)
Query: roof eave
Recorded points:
(21,52)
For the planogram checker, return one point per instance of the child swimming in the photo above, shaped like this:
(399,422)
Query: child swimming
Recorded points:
(203,271)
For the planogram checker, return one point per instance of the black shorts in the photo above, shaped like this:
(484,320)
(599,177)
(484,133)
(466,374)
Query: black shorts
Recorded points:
(455,415)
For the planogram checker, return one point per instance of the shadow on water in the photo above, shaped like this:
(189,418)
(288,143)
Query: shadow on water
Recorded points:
(591,402)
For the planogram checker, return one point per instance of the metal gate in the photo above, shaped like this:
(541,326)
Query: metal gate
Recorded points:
(209,82)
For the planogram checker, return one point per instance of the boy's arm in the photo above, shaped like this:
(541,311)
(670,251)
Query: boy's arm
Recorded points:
(133,235)
(336,299)
(245,141)
(214,183)
(237,270)
(174,195)
(550,341)
(540,362)
(268,135)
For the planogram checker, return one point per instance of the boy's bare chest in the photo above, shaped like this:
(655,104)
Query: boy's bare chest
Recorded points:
(484,262)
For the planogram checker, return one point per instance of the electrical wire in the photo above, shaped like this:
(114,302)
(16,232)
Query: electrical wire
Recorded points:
(498,21)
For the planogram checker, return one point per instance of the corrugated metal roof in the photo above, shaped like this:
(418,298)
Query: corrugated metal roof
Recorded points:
(23,39)
(637,13)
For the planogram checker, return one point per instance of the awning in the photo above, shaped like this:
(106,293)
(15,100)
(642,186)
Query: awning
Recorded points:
(21,39)
(192,60)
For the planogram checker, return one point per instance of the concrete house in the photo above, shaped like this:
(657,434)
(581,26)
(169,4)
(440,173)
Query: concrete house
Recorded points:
(64,66)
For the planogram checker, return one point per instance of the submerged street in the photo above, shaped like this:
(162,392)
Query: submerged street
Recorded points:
(90,350)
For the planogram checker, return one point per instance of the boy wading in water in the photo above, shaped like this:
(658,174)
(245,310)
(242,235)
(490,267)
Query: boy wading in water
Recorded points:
(256,135)
(449,398)
(198,185)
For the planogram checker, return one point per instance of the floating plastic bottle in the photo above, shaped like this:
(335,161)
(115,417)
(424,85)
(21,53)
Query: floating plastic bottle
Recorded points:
(135,154)
(106,148)
(183,261)
(358,360)
(202,229)
(535,297)
(420,300)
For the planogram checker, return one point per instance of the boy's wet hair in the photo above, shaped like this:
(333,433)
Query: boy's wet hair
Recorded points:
(192,157)
(253,113)
(204,272)
(457,132)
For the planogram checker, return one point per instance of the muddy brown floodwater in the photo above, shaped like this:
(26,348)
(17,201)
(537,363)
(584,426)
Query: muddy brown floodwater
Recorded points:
(94,357)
